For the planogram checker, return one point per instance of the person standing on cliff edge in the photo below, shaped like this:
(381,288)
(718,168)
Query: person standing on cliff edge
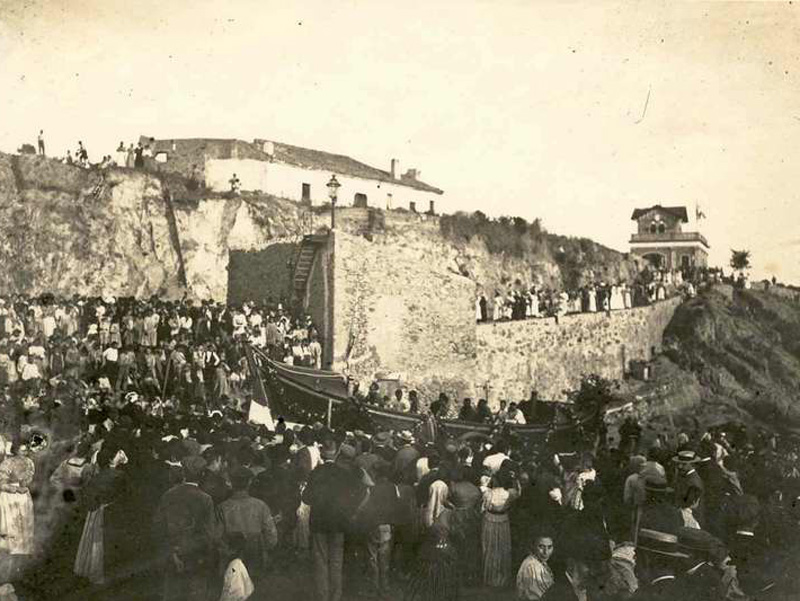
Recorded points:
(40,141)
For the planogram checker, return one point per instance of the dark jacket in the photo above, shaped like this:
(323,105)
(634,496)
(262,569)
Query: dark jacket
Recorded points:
(382,507)
(668,589)
(334,493)
(561,590)
(186,525)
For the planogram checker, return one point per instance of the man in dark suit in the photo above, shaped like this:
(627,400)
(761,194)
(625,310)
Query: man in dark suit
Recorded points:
(188,531)
(748,549)
(660,555)
(570,584)
(688,483)
(334,493)
(306,458)
(711,576)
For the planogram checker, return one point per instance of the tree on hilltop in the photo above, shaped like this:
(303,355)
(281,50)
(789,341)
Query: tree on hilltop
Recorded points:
(740,260)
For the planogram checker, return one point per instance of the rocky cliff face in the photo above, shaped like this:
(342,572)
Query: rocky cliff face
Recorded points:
(743,348)
(64,229)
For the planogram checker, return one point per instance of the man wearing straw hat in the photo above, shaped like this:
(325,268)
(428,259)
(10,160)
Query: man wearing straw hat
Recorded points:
(658,513)
(689,486)
(660,557)
(711,575)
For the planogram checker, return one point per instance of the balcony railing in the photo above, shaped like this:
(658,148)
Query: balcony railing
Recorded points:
(670,237)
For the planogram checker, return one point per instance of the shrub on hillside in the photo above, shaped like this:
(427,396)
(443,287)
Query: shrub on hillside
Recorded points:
(503,235)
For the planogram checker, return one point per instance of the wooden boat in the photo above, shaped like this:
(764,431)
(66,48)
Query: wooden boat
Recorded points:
(323,388)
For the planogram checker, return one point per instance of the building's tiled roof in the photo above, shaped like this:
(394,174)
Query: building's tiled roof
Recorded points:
(678,212)
(339,163)
(298,156)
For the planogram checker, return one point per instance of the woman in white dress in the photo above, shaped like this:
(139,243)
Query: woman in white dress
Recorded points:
(496,529)
(16,504)
(535,304)
(497,307)
(592,299)
(617,300)
(508,307)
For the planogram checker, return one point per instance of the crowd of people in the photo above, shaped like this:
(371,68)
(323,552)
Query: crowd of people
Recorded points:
(443,407)
(211,507)
(191,350)
(134,156)
(118,479)
(520,303)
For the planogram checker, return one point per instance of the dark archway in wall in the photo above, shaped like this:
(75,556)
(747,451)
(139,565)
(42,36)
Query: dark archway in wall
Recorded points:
(258,275)
(656,259)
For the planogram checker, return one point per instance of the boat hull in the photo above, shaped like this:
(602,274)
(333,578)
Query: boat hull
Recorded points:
(321,387)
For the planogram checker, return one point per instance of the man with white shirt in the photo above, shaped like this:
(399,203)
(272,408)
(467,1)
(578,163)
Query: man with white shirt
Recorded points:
(498,455)
(515,416)
(111,362)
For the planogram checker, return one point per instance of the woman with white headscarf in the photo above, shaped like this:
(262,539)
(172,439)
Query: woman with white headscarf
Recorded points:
(437,509)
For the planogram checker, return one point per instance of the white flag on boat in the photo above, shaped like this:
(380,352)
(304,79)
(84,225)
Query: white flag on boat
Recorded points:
(260,414)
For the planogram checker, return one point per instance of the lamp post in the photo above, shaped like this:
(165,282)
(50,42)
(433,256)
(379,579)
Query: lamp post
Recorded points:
(333,192)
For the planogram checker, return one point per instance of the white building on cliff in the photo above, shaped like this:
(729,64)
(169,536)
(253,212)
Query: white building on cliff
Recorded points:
(294,172)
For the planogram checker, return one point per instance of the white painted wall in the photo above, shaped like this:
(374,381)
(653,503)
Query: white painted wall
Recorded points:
(286,181)
(251,173)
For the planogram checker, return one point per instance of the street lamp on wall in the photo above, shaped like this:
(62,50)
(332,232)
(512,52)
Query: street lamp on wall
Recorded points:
(333,192)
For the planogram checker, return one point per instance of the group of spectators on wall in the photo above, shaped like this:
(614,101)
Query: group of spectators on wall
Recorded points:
(173,502)
(134,156)
(653,285)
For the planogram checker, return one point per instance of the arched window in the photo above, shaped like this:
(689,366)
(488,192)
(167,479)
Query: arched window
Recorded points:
(652,228)
(661,228)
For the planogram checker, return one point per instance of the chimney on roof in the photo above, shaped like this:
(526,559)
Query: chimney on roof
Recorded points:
(395,169)
(413,174)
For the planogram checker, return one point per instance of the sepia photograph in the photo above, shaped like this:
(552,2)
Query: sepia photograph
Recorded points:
(456,300)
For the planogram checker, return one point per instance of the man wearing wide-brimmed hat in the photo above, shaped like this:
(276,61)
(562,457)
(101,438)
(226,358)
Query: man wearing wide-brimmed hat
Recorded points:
(747,546)
(658,512)
(711,575)
(688,485)
(661,557)
(583,557)
(405,460)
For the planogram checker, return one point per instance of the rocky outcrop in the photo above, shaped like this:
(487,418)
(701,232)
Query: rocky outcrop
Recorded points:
(64,229)
(743,349)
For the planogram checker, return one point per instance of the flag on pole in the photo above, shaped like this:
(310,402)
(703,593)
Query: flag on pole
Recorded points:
(260,414)
(698,213)
(259,411)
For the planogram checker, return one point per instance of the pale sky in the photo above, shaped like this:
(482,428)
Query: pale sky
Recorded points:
(522,108)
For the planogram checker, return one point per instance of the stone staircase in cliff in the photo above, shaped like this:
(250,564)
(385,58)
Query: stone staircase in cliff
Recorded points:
(304,261)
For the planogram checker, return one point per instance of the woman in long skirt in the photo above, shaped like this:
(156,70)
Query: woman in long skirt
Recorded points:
(465,521)
(436,577)
(16,504)
(90,560)
(496,529)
